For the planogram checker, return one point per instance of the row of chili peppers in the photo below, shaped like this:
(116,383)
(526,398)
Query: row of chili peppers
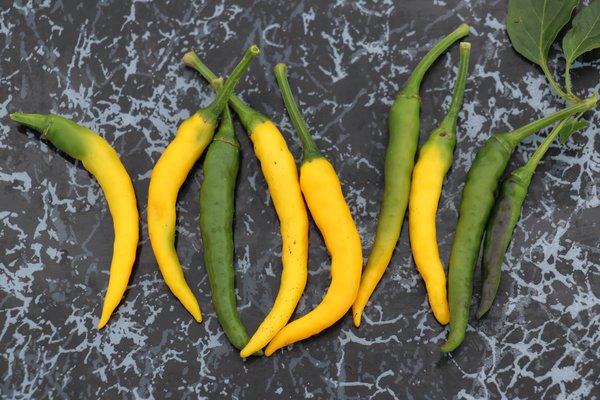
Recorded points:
(417,186)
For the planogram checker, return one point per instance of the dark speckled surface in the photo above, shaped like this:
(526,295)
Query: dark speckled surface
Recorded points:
(115,67)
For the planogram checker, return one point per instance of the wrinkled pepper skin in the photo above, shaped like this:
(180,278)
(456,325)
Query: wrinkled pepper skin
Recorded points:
(502,223)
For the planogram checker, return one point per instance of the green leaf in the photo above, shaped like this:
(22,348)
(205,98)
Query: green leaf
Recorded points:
(570,128)
(533,25)
(584,34)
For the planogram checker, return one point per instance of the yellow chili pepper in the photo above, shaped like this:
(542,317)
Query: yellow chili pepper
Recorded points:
(280,172)
(323,194)
(102,161)
(435,159)
(169,173)
(279,168)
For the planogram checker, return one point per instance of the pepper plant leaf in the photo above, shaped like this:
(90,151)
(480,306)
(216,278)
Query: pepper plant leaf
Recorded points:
(584,34)
(533,26)
(570,128)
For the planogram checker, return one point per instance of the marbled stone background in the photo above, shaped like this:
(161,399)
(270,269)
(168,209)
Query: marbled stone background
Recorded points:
(115,67)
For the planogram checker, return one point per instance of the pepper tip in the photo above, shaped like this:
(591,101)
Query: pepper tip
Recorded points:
(269,351)
(480,313)
(244,353)
(356,319)
(102,323)
(197,314)
(449,347)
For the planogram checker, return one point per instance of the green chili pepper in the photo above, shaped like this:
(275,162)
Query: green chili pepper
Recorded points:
(475,208)
(503,221)
(399,162)
(217,207)
(279,169)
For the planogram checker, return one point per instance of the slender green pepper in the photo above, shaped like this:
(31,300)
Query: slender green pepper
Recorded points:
(475,208)
(399,163)
(279,169)
(503,221)
(217,207)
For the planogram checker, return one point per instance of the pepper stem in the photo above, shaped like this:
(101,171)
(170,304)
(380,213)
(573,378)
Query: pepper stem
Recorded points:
(249,117)
(226,121)
(310,150)
(521,133)
(449,121)
(39,122)
(414,81)
(570,97)
(526,171)
(215,109)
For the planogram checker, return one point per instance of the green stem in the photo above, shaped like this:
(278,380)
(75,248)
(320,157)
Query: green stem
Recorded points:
(39,122)
(568,80)
(541,151)
(310,150)
(414,81)
(568,97)
(249,117)
(215,109)
(521,133)
(449,121)
(226,125)
(525,172)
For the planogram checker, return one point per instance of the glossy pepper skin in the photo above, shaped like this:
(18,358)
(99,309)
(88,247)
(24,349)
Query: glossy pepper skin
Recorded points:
(169,173)
(475,208)
(217,206)
(435,159)
(399,161)
(504,218)
(323,194)
(102,161)
(279,169)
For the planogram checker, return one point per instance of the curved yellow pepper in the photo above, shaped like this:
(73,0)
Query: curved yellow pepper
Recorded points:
(323,193)
(169,173)
(425,191)
(279,168)
(102,161)
(435,159)
(325,200)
